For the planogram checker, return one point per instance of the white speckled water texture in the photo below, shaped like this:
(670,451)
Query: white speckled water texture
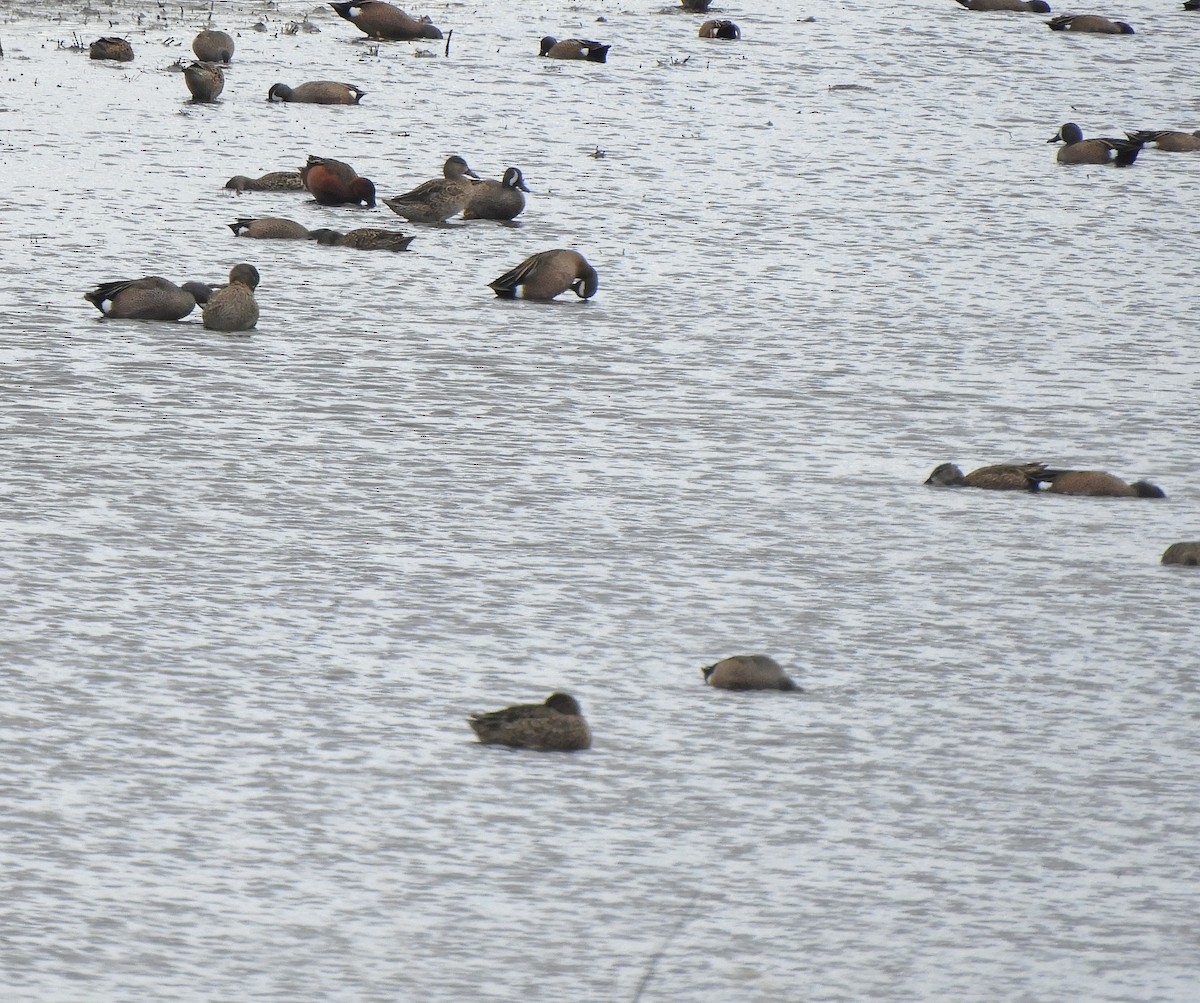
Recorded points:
(253,584)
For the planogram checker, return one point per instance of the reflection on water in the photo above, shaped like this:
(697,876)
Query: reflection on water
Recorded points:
(257,583)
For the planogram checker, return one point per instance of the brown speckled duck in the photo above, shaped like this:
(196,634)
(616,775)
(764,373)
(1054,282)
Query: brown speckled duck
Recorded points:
(233,307)
(748,672)
(1097,484)
(212,46)
(269,228)
(151,298)
(204,80)
(117,49)
(574,48)
(497,199)
(382,20)
(437,200)
(333,182)
(367,238)
(999,477)
(317,92)
(1106,150)
(554,726)
(272,181)
(544,275)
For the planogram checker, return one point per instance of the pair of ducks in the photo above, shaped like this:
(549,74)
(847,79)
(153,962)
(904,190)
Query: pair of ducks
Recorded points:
(557,725)
(1030,477)
(1120,152)
(1094,23)
(232,307)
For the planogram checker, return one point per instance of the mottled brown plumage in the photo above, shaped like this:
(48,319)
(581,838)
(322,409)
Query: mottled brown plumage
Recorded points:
(205,81)
(999,477)
(437,200)
(554,726)
(233,307)
(273,181)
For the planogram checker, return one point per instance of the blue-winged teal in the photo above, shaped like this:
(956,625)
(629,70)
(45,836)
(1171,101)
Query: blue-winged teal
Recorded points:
(437,200)
(1167,139)
(151,298)
(233,307)
(1030,6)
(999,477)
(111,48)
(497,199)
(1097,483)
(382,20)
(1095,23)
(269,228)
(204,80)
(544,275)
(317,92)
(211,46)
(554,726)
(273,181)
(748,672)
(1187,552)
(720,29)
(574,48)
(367,238)
(1105,150)
(333,182)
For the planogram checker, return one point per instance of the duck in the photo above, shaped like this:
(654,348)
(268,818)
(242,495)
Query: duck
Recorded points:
(998,477)
(1169,140)
(437,200)
(544,275)
(333,182)
(233,307)
(1120,152)
(720,29)
(149,298)
(381,20)
(574,48)
(317,92)
(556,725)
(497,199)
(1186,552)
(1097,484)
(204,80)
(1191,4)
(748,672)
(1029,6)
(117,49)
(272,181)
(269,228)
(367,238)
(1098,24)
(212,46)
(695,6)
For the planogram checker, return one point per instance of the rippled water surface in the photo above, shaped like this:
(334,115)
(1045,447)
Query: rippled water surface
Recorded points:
(255,583)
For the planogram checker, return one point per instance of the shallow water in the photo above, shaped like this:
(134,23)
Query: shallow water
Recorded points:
(255,583)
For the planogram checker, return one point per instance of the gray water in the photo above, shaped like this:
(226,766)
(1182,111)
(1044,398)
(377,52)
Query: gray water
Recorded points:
(254,584)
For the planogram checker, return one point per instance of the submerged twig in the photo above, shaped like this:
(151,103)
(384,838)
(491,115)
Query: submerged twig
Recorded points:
(658,955)
(449,35)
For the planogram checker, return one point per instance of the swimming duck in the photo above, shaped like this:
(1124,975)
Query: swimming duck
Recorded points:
(233,307)
(1187,552)
(1030,6)
(1168,139)
(273,181)
(554,726)
(999,477)
(1120,152)
(382,20)
(211,46)
(574,48)
(544,275)
(269,228)
(437,200)
(317,92)
(497,199)
(1097,483)
(333,182)
(111,48)
(1095,23)
(367,238)
(695,6)
(720,29)
(748,672)
(151,298)
(204,80)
